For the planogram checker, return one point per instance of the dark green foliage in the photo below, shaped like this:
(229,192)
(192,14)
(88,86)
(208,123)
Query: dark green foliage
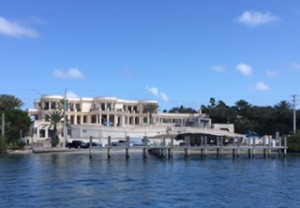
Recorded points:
(262,119)
(54,141)
(150,108)
(18,144)
(17,124)
(3,145)
(55,118)
(294,143)
(182,109)
(8,102)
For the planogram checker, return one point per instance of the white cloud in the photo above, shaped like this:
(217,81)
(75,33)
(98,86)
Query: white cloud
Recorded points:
(71,95)
(164,96)
(72,73)
(254,18)
(296,66)
(155,92)
(261,86)
(244,69)
(14,29)
(218,68)
(272,73)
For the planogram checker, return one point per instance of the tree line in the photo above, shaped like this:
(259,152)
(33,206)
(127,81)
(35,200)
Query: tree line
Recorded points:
(265,120)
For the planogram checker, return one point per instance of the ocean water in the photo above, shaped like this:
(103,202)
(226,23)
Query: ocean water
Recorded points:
(73,180)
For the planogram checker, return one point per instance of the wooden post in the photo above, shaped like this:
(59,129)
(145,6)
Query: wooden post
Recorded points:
(233,148)
(145,146)
(205,146)
(109,146)
(269,146)
(202,147)
(249,152)
(254,150)
(90,152)
(265,147)
(127,147)
(218,147)
(187,144)
(285,147)
(237,147)
(171,148)
(238,152)
(233,152)
(222,146)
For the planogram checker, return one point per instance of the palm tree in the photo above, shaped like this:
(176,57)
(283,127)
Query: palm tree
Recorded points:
(54,118)
(283,107)
(9,102)
(283,116)
(242,107)
(150,108)
(212,102)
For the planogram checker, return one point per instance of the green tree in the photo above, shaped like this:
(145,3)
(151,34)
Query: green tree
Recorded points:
(182,109)
(242,107)
(283,117)
(3,144)
(9,102)
(17,125)
(17,122)
(54,118)
(212,102)
(150,108)
(294,142)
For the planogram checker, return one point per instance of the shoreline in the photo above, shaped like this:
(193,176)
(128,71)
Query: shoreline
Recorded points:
(121,150)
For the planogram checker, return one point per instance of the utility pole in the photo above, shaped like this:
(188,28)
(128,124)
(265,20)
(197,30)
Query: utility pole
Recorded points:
(3,124)
(294,113)
(65,119)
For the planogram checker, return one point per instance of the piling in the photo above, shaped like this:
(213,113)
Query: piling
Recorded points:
(127,147)
(187,145)
(285,147)
(109,147)
(145,147)
(90,146)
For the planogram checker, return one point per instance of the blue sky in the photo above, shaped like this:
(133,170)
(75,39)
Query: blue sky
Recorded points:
(173,51)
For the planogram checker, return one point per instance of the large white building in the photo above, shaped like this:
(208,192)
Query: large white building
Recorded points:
(101,117)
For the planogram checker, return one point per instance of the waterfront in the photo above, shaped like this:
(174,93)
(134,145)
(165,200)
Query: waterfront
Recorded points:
(73,180)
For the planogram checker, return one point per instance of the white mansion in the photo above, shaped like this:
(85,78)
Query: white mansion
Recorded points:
(101,117)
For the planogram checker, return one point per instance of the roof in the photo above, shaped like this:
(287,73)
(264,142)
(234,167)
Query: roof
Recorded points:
(212,132)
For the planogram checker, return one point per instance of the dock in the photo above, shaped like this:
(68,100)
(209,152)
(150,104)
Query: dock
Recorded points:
(203,149)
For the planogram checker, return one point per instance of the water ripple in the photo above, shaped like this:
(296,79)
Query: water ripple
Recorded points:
(73,180)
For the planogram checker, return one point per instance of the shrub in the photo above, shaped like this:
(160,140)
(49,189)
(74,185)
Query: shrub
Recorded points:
(3,145)
(294,143)
(54,141)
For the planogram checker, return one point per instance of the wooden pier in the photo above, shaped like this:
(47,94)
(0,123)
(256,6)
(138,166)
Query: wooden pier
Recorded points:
(251,149)
(203,148)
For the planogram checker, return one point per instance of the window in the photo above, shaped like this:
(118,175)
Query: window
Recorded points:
(53,106)
(42,133)
(46,106)
(78,107)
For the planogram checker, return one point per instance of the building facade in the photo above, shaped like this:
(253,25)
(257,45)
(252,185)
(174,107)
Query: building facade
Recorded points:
(108,116)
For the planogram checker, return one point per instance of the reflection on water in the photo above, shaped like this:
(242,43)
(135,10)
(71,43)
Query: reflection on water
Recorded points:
(73,180)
